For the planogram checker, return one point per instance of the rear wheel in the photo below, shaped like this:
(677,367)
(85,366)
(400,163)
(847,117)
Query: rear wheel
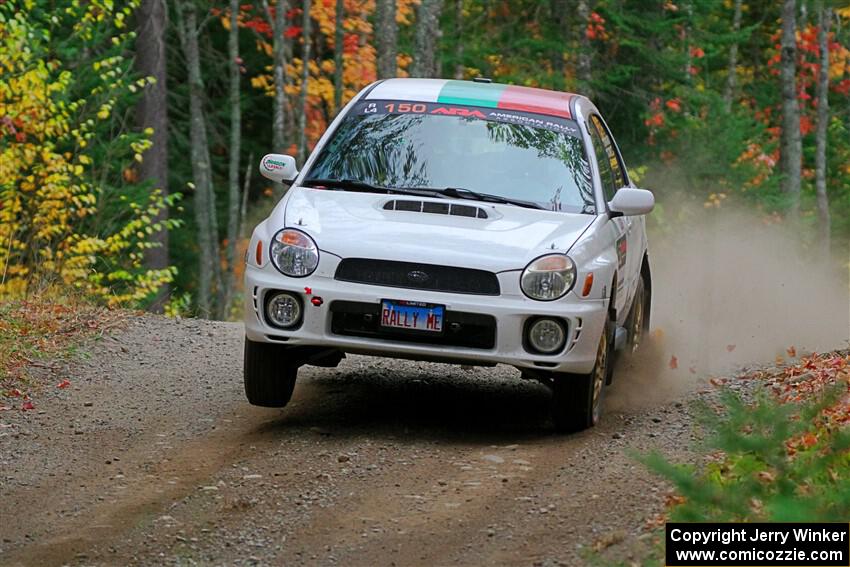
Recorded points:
(269,377)
(577,398)
(636,322)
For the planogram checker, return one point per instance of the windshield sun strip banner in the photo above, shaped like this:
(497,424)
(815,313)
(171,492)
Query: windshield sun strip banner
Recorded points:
(484,95)
(506,116)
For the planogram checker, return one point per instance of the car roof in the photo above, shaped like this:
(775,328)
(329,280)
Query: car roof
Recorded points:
(471,93)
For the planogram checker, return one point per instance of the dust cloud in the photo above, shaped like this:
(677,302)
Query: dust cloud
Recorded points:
(730,292)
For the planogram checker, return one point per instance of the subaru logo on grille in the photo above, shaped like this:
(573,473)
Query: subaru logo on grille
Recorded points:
(417,276)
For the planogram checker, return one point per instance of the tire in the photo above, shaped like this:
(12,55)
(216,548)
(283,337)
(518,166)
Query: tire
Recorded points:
(577,398)
(636,321)
(269,380)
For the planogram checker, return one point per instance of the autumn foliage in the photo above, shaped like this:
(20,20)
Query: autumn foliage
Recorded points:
(69,217)
(780,454)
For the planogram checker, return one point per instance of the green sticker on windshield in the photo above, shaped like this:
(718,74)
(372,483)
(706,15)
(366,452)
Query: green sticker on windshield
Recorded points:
(471,94)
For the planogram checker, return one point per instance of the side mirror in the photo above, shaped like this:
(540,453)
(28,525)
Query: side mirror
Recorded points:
(632,202)
(279,168)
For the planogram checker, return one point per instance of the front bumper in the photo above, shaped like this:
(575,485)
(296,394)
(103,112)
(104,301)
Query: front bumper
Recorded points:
(585,321)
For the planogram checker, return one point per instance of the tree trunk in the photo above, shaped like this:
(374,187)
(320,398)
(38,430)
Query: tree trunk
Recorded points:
(204,203)
(426,60)
(235,148)
(459,41)
(151,112)
(338,41)
(243,211)
(824,16)
(791,147)
(584,48)
(305,79)
(386,38)
(732,67)
(277,22)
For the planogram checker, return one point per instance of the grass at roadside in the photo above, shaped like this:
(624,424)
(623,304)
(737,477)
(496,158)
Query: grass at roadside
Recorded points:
(780,456)
(35,334)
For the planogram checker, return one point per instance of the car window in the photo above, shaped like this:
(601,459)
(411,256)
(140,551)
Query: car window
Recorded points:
(606,176)
(510,154)
(614,160)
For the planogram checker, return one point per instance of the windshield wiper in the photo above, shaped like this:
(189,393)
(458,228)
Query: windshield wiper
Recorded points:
(345,184)
(362,186)
(463,193)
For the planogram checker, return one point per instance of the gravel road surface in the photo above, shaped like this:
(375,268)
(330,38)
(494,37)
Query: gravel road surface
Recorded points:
(153,457)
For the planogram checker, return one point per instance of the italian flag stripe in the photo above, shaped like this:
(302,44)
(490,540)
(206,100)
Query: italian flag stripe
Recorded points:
(471,94)
(507,97)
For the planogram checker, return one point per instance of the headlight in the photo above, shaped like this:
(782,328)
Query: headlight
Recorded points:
(548,278)
(294,253)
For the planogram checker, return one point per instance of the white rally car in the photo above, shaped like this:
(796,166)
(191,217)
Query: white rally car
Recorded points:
(453,221)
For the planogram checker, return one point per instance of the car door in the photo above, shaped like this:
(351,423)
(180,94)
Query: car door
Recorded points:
(613,177)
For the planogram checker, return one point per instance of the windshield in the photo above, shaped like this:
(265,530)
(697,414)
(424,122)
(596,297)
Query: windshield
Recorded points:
(515,155)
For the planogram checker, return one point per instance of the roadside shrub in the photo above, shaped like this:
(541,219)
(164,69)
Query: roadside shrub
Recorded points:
(71,211)
(767,461)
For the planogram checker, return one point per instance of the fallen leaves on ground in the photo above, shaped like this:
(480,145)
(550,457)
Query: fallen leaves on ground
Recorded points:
(810,377)
(34,333)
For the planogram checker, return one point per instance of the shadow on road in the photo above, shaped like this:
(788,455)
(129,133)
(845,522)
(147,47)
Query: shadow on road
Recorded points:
(482,405)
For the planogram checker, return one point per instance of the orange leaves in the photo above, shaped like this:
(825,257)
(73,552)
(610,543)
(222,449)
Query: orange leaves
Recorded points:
(808,378)
(596,28)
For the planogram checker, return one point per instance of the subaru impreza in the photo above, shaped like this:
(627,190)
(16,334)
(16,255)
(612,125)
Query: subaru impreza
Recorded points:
(463,222)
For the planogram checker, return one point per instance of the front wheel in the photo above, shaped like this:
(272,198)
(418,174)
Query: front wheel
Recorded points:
(269,377)
(577,398)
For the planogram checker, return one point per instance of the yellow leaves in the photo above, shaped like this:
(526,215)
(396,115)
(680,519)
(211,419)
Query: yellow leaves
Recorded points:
(714,201)
(265,47)
(839,62)
(49,197)
(263,82)
(843,12)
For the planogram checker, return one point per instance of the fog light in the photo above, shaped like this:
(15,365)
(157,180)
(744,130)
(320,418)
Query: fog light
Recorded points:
(546,335)
(283,310)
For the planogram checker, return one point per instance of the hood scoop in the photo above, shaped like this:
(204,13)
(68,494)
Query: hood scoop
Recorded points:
(436,208)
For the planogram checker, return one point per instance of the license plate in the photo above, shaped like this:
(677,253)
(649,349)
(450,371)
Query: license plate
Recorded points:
(412,315)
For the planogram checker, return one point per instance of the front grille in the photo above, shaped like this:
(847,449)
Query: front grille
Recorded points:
(357,319)
(413,275)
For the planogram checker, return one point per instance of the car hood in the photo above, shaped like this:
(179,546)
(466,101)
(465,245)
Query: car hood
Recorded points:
(356,225)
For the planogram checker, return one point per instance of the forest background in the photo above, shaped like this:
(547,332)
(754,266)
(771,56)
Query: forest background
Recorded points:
(130,130)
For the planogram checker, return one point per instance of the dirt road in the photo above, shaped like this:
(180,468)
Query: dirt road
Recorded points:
(153,457)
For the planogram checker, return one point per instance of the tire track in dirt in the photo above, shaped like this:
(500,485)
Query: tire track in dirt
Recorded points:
(376,462)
